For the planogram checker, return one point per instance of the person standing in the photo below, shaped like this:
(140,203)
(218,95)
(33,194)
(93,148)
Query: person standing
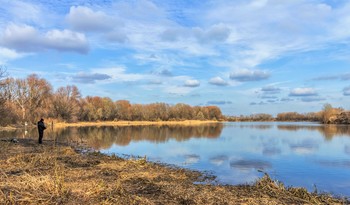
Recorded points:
(41,128)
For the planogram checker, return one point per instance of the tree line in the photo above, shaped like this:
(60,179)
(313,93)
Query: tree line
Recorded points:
(29,99)
(324,116)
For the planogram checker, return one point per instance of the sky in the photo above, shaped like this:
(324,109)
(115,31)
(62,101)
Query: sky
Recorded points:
(245,56)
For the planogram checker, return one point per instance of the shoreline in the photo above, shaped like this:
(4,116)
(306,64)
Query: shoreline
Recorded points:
(60,173)
(134,123)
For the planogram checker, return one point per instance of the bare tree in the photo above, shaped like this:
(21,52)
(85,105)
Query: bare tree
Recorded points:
(29,95)
(65,103)
(3,74)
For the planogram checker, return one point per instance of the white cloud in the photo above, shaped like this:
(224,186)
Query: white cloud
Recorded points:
(218,81)
(192,83)
(176,90)
(244,75)
(8,54)
(24,11)
(90,78)
(303,92)
(346,91)
(66,41)
(119,74)
(24,38)
(118,36)
(173,34)
(216,33)
(82,18)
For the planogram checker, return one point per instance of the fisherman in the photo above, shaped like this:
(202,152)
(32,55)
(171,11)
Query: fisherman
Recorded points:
(41,128)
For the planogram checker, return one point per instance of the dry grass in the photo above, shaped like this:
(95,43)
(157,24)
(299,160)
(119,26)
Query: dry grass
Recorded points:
(136,123)
(7,128)
(49,174)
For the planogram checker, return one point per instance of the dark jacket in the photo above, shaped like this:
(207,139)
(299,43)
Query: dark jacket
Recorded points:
(41,126)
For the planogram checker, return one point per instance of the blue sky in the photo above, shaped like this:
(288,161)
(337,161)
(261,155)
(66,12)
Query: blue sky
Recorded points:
(245,56)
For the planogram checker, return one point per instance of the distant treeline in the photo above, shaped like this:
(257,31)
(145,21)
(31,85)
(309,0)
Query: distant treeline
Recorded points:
(285,116)
(29,99)
(327,115)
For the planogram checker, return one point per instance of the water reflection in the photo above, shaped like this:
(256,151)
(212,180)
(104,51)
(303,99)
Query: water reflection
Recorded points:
(341,163)
(105,137)
(307,146)
(328,131)
(251,164)
(191,158)
(347,149)
(262,127)
(218,160)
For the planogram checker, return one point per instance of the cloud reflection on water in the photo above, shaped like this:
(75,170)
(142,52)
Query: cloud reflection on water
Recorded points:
(337,163)
(191,158)
(347,149)
(218,160)
(305,147)
(245,164)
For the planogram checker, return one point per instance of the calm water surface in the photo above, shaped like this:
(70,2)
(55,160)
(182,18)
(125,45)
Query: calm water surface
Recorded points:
(298,154)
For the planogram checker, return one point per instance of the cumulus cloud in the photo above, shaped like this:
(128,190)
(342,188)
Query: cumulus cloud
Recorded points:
(192,83)
(173,34)
(90,78)
(245,75)
(218,102)
(66,41)
(216,33)
(302,92)
(82,18)
(218,81)
(8,54)
(118,36)
(346,91)
(24,38)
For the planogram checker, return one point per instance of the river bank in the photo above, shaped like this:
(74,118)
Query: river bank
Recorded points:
(133,123)
(63,174)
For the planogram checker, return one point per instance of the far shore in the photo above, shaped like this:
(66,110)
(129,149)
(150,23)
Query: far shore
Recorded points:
(131,123)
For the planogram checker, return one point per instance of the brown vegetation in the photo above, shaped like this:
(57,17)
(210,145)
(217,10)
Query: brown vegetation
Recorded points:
(49,174)
(29,99)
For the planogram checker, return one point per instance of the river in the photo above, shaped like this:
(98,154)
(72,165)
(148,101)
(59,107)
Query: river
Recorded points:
(301,154)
